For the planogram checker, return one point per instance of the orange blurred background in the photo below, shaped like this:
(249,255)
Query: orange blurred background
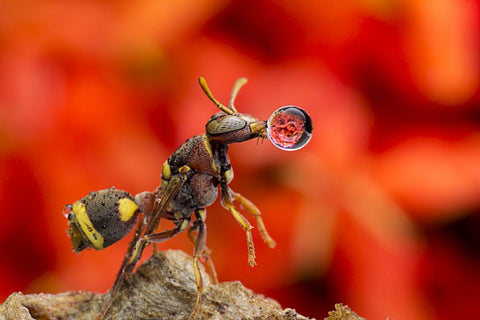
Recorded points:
(380,211)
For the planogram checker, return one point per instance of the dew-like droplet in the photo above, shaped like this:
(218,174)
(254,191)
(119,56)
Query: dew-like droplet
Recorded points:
(67,209)
(289,128)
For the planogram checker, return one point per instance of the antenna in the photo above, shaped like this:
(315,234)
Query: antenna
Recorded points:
(236,87)
(203,84)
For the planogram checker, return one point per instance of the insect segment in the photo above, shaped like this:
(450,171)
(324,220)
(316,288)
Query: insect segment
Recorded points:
(102,218)
(191,178)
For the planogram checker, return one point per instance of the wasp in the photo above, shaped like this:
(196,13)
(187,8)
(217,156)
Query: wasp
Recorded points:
(190,181)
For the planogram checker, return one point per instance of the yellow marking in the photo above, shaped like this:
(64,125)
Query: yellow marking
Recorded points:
(184,169)
(126,208)
(137,247)
(95,238)
(209,150)
(184,225)
(229,175)
(259,127)
(202,214)
(166,172)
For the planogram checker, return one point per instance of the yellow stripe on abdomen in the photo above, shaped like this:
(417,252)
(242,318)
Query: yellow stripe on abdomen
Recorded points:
(126,209)
(92,234)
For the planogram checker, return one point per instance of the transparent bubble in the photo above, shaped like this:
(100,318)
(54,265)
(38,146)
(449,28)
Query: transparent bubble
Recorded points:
(67,209)
(289,128)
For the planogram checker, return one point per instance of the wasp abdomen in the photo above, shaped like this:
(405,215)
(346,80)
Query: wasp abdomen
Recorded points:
(101,219)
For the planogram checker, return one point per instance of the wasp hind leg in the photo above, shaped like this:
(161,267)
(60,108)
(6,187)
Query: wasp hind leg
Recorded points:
(163,236)
(129,265)
(121,275)
(198,249)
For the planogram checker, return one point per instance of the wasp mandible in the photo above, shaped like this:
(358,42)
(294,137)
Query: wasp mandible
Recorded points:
(191,178)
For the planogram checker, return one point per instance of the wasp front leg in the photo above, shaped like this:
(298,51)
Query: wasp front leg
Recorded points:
(228,196)
(227,204)
(254,211)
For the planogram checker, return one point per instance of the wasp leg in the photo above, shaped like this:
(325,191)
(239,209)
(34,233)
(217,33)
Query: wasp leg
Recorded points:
(206,251)
(121,274)
(155,238)
(197,252)
(254,211)
(132,262)
(148,228)
(163,236)
(141,227)
(147,203)
(227,204)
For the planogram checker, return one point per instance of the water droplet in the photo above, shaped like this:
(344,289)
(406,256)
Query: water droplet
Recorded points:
(66,210)
(289,128)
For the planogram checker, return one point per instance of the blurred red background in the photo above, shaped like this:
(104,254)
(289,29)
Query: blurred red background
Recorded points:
(381,210)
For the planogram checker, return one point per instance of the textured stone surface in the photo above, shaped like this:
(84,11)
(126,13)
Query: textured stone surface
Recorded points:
(343,312)
(162,288)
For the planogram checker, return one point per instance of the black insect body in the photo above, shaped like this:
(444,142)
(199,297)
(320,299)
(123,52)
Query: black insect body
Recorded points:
(102,218)
(191,178)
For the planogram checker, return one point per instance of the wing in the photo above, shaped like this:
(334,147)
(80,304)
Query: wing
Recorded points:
(171,190)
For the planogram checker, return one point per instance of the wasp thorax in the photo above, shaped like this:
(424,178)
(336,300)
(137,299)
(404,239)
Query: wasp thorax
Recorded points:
(229,128)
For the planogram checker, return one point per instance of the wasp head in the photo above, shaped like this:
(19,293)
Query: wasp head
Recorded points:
(288,128)
(224,128)
(230,126)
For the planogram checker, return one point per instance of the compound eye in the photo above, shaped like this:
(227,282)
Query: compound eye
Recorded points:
(67,211)
(289,128)
(225,124)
